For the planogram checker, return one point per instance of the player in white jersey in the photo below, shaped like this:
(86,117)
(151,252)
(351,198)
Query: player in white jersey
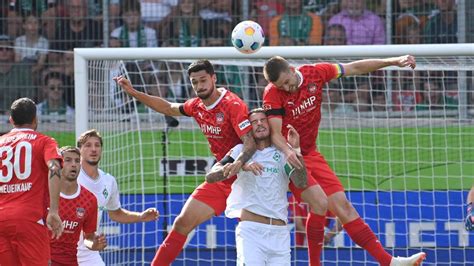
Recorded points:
(104,187)
(259,197)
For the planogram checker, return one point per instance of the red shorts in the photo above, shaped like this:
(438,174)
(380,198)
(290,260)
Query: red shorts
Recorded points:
(23,243)
(214,194)
(319,173)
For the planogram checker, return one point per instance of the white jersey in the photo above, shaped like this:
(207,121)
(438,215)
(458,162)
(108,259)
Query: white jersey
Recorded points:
(106,191)
(265,194)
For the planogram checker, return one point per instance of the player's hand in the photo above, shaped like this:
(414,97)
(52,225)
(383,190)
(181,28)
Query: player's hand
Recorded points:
(293,137)
(149,214)
(470,218)
(406,60)
(293,159)
(99,242)
(125,84)
(232,169)
(253,167)
(53,221)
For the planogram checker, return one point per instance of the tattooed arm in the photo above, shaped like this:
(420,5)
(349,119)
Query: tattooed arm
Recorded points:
(53,221)
(247,152)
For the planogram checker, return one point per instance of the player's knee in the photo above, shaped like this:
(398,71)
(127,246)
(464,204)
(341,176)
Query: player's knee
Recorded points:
(184,224)
(319,206)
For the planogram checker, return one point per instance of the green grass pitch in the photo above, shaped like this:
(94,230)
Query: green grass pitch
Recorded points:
(364,159)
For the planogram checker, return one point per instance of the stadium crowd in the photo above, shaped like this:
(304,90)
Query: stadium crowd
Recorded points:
(37,39)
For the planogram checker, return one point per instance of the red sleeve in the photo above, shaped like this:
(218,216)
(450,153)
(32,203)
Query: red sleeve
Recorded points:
(329,71)
(239,118)
(50,150)
(272,102)
(187,107)
(90,223)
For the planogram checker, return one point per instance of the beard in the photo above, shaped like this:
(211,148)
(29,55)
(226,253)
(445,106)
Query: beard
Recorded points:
(207,95)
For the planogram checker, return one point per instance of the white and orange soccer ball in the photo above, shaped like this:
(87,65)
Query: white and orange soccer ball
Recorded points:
(248,37)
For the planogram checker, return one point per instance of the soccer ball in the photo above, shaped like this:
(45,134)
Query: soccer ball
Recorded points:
(248,37)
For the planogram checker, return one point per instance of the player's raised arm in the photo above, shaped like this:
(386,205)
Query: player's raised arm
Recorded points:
(369,65)
(280,142)
(53,220)
(247,152)
(156,103)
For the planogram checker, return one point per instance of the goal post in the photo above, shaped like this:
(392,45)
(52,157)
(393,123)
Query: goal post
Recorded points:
(400,140)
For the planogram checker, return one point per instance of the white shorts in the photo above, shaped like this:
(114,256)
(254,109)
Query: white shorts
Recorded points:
(89,258)
(262,244)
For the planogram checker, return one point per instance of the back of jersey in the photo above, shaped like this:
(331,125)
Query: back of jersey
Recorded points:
(24,193)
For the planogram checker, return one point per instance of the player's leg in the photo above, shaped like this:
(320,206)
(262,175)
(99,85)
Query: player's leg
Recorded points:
(250,243)
(317,201)
(32,243)
(338,204)
(8,254)
(278,244)
(206,201)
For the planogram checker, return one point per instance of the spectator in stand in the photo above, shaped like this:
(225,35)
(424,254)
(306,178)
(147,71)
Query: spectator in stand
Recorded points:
(323,8)
(31,48)
(19,8)
(15,78)
(295,26)
(75,30)
(411,34)
(408,94)
(215,10)
(133,33)
(408,13)
(156,13)
(442,27)
(362,26)
(263,11)
(55,104)
(335,35)
(183,26)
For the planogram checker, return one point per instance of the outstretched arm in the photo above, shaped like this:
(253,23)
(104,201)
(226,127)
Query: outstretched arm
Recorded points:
(126,217)
(370,65)
(95,242)
(154,102)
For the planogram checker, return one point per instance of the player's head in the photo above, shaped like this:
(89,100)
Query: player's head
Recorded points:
(203,78)
(90,146)
(260,127)
(71,162)
(279,72)
(23,113)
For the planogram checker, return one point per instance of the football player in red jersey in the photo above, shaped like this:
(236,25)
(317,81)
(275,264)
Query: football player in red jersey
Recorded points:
(294,97)
(78,211)
(222,117)
(30,170)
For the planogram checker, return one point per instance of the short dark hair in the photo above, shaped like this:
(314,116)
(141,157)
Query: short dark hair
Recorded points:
(257,110)
(88,134)
(273,67)
(69,149)
(199,65)
(57,75)
(130,5)
(23,111)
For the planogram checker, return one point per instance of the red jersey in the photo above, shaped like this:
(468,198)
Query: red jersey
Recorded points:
(302,109)
(24,191)
(78,213)
(223,123)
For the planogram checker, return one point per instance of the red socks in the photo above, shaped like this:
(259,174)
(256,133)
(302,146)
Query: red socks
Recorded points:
(169,249)
(363,236)
(315,235)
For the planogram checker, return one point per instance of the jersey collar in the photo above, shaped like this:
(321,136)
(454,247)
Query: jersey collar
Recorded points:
(21,129)
(223,93)
(73,196)
(300,76)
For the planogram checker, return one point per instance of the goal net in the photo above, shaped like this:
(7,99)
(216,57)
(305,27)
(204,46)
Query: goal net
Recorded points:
(400,140)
